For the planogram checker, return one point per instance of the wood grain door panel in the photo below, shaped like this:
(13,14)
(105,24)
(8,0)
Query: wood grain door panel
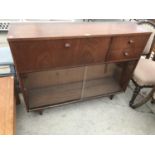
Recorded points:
(93,50)
(46,54)
(59,53)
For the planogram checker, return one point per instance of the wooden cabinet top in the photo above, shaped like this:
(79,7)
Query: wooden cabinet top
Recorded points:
(71,30)
(7,106)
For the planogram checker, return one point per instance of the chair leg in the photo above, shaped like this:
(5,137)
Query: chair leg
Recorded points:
(111,97)
(153,101)
(135,93)
(40,112)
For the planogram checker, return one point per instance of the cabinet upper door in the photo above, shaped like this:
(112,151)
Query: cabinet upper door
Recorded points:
(33,55)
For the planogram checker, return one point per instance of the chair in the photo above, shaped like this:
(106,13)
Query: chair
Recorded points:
(144,75)
(151,27)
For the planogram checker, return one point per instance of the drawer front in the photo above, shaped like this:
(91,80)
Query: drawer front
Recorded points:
(44,54)
(127,47)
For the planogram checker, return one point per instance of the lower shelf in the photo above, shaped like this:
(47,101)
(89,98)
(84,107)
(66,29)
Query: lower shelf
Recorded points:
(72,91)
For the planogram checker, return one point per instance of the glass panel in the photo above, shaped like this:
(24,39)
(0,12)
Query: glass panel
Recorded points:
(53,86)
(102,79)
(58,86)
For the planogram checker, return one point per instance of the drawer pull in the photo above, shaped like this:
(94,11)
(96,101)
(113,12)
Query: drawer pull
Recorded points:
(67,45)
(126,54)
(130,41)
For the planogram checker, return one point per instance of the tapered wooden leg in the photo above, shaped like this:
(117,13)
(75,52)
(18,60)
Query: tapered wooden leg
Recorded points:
(111,97)
(40,112)
(135,93)
(17,94)
(17,98)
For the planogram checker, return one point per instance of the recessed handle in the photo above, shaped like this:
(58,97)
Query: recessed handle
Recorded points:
(130,41)
(67,45)
(126,54)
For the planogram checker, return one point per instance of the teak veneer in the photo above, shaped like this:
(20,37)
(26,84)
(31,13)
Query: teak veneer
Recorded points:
(7,106)
(59,63)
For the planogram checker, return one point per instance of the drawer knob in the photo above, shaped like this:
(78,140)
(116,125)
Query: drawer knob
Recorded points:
(67,45)
(131,41)
(126,53)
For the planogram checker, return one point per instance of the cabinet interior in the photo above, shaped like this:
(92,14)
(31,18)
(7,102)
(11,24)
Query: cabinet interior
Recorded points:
(62,85)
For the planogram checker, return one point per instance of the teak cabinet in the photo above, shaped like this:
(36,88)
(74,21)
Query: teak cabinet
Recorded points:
(69,62)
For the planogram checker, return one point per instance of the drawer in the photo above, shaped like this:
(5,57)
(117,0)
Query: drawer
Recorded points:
(42,54)
(127,47)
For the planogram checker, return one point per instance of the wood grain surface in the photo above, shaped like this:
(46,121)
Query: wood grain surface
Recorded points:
(7,106)
(127,47)
(47,57)
(64,30)
(44,54)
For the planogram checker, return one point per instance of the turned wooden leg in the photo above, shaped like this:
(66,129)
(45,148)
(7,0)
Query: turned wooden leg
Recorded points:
(135,93)
(153,101)
(111,97)
(145,100)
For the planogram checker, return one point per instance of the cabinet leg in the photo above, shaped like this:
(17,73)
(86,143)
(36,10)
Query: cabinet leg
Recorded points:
(17,96)
(40,112)
(135,93)
(111,97)
(153,101)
